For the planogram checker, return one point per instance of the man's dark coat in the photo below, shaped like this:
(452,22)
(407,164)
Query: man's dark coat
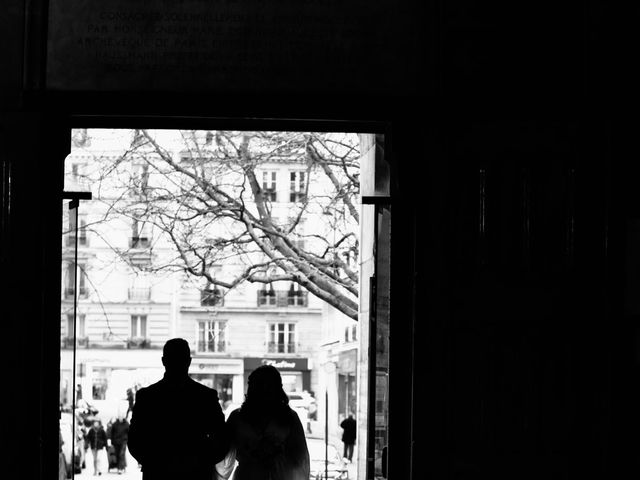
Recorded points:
(175,430)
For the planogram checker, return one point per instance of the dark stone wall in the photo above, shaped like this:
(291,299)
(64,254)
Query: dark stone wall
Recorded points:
(512,352)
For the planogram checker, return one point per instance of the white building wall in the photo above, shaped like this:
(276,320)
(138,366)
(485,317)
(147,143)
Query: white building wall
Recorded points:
(174,306)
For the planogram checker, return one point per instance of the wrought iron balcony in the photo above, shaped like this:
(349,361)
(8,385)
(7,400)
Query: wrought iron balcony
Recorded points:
(81,342)
(139,242)
(274,347)
(142,294)
(270,194)
(70,240)
(83,292)
(138,342)
(283,298)
(211,347)
(211,298)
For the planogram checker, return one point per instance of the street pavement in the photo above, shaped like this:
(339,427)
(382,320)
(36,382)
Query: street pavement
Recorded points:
(134,473)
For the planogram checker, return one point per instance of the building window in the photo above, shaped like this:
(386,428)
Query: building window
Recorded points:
(140,289)
(80,326)
(282,338)
(269,182)
(81,339)
(298,189)
(139,294)
(70,284)
(138,326)
(211,336)
(354,333)
(139,234)
(267,296)
(82,232)
(139,178)
(296,297)
(211,296)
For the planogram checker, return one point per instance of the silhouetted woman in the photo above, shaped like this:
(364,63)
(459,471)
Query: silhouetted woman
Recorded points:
(265,434)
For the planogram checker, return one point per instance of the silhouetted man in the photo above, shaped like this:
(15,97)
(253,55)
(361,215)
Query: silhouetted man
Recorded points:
(348,436)
(176,422)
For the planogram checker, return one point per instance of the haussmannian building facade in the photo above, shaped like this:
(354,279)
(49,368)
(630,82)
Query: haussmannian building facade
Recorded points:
(126,311)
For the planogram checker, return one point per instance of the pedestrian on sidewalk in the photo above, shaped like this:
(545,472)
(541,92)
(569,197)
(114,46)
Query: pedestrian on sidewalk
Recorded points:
(265,435)
(97,439)
(348,436)
(119,439)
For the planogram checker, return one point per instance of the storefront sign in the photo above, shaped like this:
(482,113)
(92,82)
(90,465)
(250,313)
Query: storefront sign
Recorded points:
(347,361)
(279,363)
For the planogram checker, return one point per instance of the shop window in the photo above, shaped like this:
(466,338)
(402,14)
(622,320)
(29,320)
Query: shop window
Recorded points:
(211,336)
(282,338)
(99,384)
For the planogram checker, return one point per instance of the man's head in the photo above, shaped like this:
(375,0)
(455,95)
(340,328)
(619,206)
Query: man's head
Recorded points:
(176,356)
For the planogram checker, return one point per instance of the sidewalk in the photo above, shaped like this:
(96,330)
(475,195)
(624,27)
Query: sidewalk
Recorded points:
(132,473)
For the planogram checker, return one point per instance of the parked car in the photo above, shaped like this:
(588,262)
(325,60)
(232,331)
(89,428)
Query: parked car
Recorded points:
(336,467)
(67,432)
(300,399)
(302,403)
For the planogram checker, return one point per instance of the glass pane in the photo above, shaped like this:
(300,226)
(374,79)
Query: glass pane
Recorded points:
(143,326)
(71,437)
(381,405)
(123,323)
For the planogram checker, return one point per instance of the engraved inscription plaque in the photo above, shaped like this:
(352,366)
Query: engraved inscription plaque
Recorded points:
(221,45)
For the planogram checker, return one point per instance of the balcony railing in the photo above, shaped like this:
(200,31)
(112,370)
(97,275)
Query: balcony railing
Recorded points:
(297,197)
(83,240)
(297,298)
(139,242)
(211,298)
(211,347)
(270,194)
(142,294)
(274,347)
(138,342)
(81,342)
(82,292)
(283,298)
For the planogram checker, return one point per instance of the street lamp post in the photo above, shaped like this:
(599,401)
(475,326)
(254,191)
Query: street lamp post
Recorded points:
(329,368)
(326,434)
